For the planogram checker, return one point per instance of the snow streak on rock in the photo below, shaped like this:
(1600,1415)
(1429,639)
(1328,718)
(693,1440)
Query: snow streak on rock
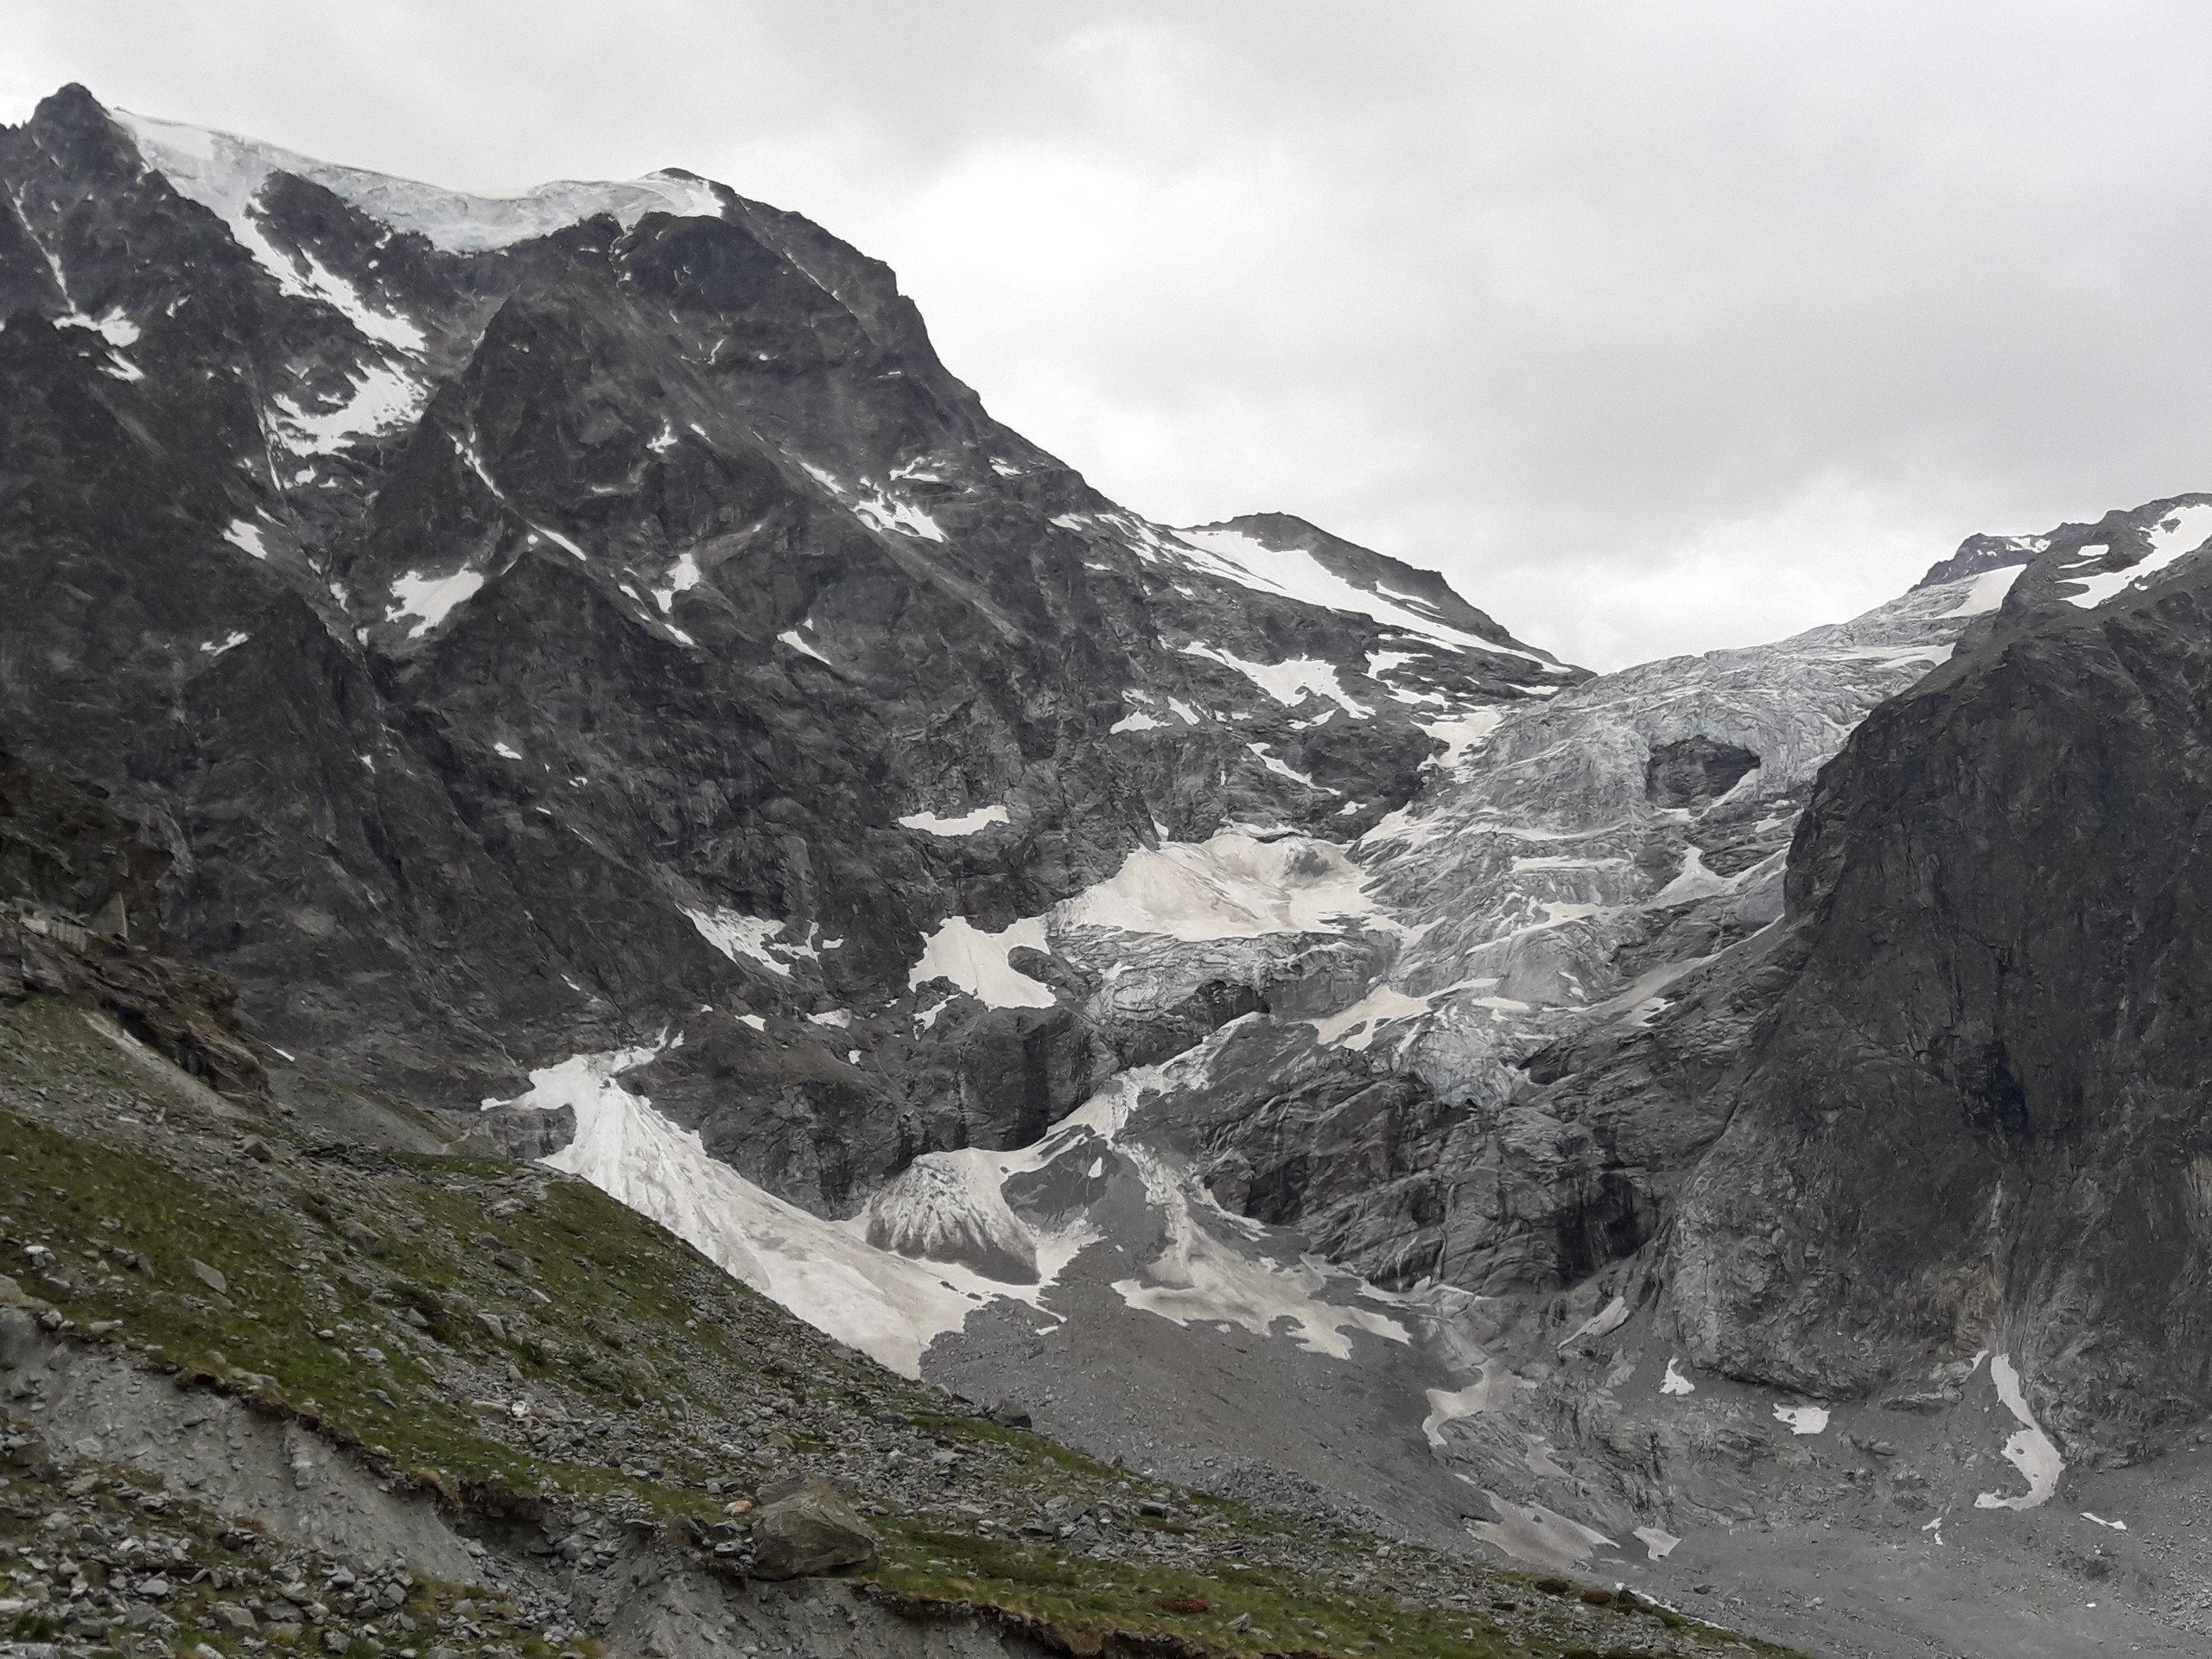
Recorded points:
(966,823)
(2029,1451)
(2180,534)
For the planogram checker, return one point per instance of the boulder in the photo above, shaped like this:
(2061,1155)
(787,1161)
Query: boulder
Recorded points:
(806,1527)
(211,1277)
(20,1342)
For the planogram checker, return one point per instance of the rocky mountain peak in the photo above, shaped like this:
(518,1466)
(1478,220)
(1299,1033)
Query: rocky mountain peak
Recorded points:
(1384,578)
(612,579)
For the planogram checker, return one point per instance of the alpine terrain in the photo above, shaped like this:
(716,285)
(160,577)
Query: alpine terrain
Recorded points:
(663,994)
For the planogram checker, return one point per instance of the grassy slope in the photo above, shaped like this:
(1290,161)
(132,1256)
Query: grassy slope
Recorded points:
(404,1304)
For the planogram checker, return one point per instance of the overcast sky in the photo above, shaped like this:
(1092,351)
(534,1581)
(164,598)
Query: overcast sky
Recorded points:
(1657,327)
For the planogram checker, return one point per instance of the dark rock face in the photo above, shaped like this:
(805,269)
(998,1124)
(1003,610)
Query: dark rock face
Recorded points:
(1292,1133)
(1980,554)
(80,918)
(524,1135)
(1974,1116)
(1694,771)
(524,637)
(64,850)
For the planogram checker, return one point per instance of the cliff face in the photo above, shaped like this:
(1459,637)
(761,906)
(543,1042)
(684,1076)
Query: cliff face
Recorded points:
(80,916)
(1975,1115)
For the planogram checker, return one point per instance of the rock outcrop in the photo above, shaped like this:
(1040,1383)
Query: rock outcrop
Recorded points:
(80,916)
(1976,1105)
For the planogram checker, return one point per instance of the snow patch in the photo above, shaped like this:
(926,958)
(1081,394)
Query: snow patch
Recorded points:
(1491,1391)
(740,937)
(2176,536)
(1232,886)
(246,537)
(380,399)
(976,963)
(567,546)
(1200,1277)
(1540,1536)
(967,824)
(882,511)
(231,642)
(683,577)
(1695,881)
(224,172)
(877,507)
(1289,683)
(1987,592)
(1296,573)
(888,1307)
(431,599)
(115,328)
(790,637)
(1802,1420)
(1606,1321)
(1138,722)
(1356,1027)
(2030,1451)
(1658,1543)
(1405,825)
(225,176)
(1675,1381)
(1460,734)
(1283,769)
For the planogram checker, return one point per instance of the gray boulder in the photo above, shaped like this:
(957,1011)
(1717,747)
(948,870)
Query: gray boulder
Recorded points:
(805,1527)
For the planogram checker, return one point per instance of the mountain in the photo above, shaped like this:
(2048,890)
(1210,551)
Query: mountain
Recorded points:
(570,686)
(529,622)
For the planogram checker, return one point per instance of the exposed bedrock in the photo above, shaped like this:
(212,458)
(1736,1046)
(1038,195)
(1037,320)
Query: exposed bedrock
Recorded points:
(1974,1117)
(1285,1131)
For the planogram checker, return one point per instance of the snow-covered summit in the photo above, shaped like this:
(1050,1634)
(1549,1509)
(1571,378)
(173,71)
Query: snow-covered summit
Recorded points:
(224,173)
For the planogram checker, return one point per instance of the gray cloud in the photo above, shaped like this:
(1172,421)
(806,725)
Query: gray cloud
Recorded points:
(1658,327)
